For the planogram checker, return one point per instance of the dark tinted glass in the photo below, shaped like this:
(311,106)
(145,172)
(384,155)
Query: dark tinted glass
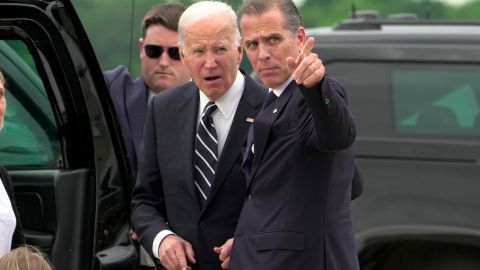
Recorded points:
(395,99)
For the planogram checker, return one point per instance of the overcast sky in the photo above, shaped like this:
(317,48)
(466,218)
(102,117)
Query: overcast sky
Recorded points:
(454,2)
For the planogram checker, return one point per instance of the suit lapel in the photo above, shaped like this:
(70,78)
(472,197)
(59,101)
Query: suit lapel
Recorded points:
(263,125)
(248,107)
(186,121)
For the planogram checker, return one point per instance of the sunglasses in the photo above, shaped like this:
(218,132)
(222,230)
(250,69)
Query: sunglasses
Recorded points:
(155,51)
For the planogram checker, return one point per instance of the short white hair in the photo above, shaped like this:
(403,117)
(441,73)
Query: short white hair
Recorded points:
(207,10)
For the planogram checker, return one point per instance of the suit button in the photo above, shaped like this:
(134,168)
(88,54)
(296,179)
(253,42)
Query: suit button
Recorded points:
(249,196)
(203,225)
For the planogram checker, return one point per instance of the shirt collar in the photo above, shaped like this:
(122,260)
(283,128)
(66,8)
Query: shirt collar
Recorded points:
(228,102)
(279,90)
(151,94)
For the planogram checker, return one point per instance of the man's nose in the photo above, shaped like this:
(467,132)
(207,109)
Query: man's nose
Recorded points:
(263,52)
(210,60)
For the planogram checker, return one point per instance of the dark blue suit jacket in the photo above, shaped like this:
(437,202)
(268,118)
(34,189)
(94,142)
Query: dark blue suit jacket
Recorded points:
(297,210)
(130,101)
(165,196)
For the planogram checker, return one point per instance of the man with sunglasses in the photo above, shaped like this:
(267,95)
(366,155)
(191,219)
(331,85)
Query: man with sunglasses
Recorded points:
(190,186)
(161,69)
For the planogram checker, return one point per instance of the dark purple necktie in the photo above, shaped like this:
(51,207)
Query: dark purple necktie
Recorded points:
(248,155)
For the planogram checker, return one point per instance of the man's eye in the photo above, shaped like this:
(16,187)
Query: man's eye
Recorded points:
(273,40)
(251,45)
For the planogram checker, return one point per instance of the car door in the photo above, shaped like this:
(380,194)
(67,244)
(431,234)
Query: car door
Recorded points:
(61,143)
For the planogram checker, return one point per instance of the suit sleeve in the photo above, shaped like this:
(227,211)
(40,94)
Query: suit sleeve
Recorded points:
(148,203)
(325,122)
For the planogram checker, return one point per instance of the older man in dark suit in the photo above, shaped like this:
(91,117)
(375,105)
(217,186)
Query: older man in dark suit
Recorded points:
(190,188)
(298,162)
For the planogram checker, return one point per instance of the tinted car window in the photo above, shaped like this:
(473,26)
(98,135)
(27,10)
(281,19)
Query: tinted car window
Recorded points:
(30,134)
(437,101)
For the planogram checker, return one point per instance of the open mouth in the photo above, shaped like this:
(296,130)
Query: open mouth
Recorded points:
(212,78)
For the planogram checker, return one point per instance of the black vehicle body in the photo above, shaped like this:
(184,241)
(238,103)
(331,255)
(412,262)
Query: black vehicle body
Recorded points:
(415,97)
(75,206)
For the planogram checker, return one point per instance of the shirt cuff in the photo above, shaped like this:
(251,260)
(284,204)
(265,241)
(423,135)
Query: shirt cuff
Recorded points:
(158,240)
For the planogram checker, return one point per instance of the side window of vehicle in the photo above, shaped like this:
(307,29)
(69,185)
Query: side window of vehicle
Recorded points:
(394,100)
(435,100)
(30,136)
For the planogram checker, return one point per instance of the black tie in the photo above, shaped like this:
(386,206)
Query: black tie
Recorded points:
(248,155)
(206,152)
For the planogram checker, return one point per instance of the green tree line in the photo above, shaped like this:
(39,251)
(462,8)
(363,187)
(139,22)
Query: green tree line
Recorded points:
(113,26)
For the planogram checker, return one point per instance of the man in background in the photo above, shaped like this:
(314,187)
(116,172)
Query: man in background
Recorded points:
(161,69)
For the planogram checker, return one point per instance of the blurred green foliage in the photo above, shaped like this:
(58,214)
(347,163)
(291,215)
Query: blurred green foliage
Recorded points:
(113,26)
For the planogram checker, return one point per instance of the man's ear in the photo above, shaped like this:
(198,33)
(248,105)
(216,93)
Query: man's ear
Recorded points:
(240,52)
(301,37)
(141,43)
(182,55)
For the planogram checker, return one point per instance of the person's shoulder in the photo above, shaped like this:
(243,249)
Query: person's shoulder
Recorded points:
(179,91)
(118,75)
(254,92)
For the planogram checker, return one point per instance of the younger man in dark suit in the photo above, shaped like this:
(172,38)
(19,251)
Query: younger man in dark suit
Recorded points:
(298,162)
(190,187)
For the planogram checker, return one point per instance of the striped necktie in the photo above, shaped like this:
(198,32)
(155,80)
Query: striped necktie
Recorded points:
(206,153)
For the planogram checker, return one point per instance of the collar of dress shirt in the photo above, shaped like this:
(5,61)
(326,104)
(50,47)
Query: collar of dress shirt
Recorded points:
(151,94)
(279,90)
(228,102)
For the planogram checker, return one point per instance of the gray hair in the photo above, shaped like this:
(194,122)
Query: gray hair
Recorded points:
(291,16)
(207,10)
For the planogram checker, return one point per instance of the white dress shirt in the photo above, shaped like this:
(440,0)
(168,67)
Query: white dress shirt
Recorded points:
(222,120)
(7,221)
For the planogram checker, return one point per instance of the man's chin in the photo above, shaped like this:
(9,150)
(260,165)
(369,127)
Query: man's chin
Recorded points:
(271,81)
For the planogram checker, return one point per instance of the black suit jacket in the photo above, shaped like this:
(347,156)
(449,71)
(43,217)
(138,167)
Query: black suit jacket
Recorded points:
(297,211)
(18,239)
(129,98)
(165,196)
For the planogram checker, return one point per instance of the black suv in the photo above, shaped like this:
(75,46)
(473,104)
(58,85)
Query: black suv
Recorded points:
(414,90)
(61,144)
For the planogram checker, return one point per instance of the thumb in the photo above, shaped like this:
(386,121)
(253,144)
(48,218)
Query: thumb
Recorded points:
(217,250)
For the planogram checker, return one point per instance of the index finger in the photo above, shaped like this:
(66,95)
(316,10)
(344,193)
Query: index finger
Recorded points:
(308,46)
(307,49)
(182,260)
